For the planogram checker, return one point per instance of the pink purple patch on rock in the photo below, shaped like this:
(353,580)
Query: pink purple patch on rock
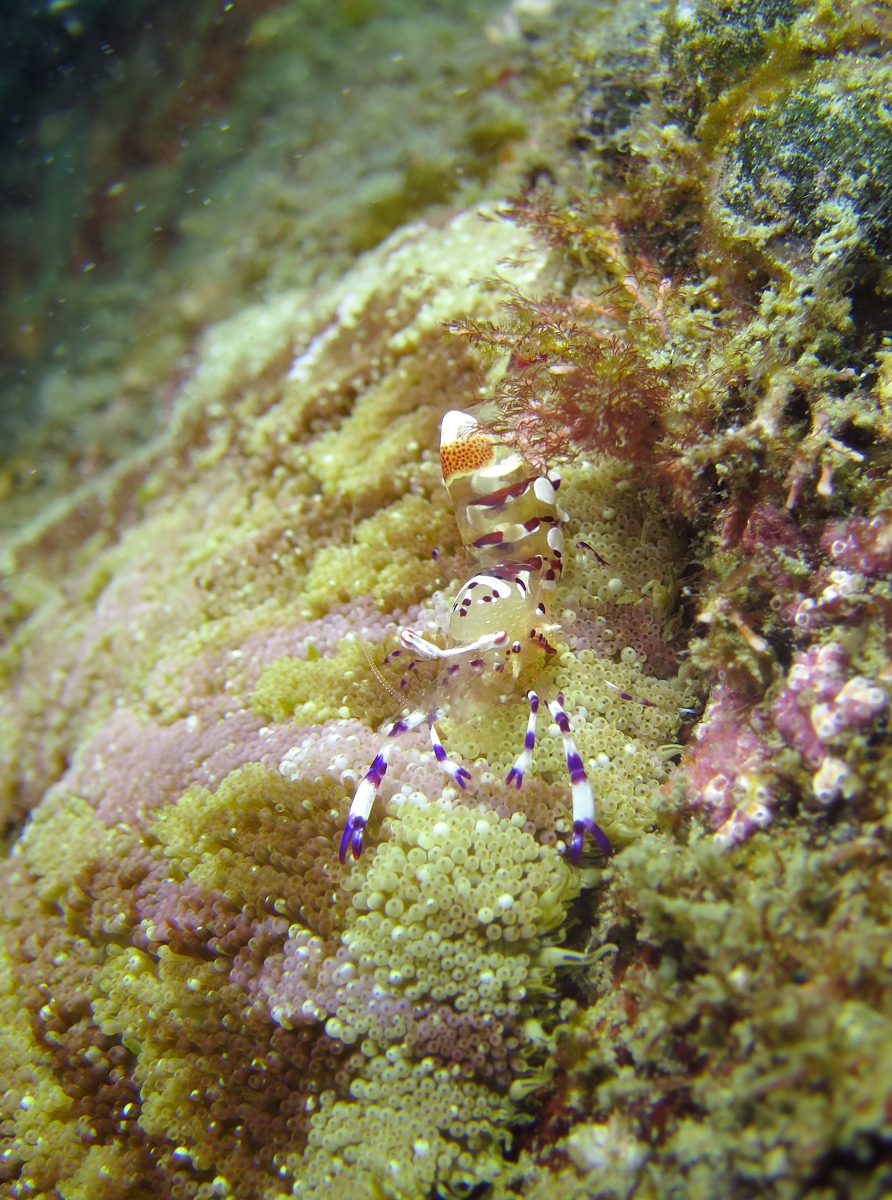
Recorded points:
(819,705)
(861,543)
(728,768)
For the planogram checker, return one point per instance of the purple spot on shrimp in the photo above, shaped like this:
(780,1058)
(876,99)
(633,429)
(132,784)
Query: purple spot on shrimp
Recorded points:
(399,727)
(574,765)
(378,769)
(514,776)
(352,839)
(530,740)
(580,829)
(435,554)
(439,754)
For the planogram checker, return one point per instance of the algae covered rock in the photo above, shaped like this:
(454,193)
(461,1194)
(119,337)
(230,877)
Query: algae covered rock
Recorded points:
(812,161)
(716,43)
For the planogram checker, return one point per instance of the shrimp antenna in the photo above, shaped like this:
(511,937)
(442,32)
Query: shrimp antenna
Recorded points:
(365,645)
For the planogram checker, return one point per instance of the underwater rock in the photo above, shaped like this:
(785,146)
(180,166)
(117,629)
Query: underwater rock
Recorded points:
(810,163)
(715,43)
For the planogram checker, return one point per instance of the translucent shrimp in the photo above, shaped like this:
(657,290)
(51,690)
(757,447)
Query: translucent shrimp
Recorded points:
(510,523)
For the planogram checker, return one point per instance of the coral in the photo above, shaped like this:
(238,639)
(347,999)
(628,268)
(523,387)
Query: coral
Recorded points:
(860,544)
(730,770)
(453,908)
(820,703)
(416,1126)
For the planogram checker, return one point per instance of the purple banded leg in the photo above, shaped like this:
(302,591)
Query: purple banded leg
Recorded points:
(459,774)
(581,789)
(363,799)
(525,759)
(364,796)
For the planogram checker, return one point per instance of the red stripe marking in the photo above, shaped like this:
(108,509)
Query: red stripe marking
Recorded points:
(502,496)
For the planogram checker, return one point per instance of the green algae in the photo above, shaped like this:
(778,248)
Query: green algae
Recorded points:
(768,965)
(717,43)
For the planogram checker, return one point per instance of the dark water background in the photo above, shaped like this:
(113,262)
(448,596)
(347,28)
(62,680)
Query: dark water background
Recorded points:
(163,164)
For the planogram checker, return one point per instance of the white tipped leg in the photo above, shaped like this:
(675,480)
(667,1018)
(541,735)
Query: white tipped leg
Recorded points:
(364,796)
(363,799)
(583,798)
(459,774)
(525,759)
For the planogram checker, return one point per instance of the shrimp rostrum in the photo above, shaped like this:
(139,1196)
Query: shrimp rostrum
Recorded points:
(510,523)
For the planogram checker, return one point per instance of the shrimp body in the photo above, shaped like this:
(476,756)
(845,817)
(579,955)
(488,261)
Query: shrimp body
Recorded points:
(510,523)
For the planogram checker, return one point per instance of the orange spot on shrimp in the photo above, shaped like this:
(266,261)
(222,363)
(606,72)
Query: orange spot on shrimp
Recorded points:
(465,456)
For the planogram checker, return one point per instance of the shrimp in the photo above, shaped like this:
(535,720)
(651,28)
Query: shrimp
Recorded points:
(510,523)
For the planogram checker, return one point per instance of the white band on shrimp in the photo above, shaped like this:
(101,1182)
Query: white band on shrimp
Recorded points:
(424,649)
(364,796)
(363,799)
